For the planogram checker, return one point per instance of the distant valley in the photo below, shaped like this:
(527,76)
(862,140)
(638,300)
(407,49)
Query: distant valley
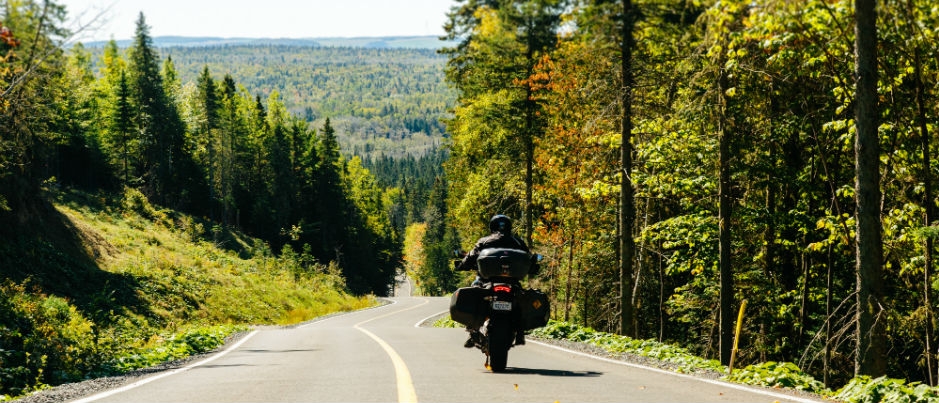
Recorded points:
(385,96)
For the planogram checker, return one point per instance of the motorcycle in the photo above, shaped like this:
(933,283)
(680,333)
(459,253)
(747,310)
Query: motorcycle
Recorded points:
(497,309)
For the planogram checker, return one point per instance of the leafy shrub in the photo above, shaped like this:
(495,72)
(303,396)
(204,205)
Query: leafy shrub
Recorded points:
(777,374)
(191,228)
(888,390)
(771,374)
(43,340)
(178,346)
(685,361)
(136,202)
(566,331)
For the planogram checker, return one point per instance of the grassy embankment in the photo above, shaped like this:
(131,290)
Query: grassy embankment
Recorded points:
(98,285)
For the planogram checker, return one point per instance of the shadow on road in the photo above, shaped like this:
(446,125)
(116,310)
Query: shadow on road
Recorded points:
(265,351)
(551,372)
(210,366)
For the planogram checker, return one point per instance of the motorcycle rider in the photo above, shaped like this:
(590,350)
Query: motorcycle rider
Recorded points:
(501,236)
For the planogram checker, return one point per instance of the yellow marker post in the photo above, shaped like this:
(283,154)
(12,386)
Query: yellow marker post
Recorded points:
(733,353)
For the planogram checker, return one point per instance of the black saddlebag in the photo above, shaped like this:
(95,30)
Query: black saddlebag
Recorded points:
(535,309)
(468,306)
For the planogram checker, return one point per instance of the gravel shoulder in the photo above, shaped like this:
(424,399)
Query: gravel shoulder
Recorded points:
(77,390)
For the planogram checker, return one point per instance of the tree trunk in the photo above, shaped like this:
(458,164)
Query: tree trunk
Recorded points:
(871,337)
(570,275)
(627,206)
(724,217)
(828,284)
(929,206)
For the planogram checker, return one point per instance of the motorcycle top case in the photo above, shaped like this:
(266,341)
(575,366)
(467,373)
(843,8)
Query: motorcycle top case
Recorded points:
(503,262)
(468,306)
(535,309)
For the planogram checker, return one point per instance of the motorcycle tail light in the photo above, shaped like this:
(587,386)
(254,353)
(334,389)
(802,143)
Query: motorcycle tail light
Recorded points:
(502,288)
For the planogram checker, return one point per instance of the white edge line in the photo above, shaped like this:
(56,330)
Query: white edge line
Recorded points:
(145,381)
(317,321)
(731,385)
(740,387)
(421,322)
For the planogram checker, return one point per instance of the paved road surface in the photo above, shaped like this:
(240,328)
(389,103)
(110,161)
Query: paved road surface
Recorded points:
(381,355)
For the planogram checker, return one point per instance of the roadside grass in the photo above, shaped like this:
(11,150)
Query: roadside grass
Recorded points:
(135,286)
(445,321)
(779,375)
(684,362)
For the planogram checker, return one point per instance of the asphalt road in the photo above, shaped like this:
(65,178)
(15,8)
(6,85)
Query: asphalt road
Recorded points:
(382,355)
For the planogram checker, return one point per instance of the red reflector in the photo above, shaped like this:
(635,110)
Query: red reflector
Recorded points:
(502,288)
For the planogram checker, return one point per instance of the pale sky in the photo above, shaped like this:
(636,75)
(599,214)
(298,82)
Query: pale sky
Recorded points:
(260,18)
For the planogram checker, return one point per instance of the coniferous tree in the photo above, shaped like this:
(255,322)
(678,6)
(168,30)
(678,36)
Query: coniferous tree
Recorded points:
(331,198)
(281,180)
(79,125)
(208,138)
(439,243)
(122,139)
(149,102)
(234,152)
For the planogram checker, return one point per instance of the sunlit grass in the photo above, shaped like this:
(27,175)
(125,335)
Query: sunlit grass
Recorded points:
(171,290)
(184,281)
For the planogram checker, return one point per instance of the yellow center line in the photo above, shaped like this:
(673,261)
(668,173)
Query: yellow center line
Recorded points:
(406,393)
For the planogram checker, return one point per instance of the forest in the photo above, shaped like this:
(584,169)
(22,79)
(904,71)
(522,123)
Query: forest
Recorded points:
(670,158)
(380,101)
(209,148)
(674,158)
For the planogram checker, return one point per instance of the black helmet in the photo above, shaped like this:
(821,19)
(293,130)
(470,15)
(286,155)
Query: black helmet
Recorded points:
(500,223)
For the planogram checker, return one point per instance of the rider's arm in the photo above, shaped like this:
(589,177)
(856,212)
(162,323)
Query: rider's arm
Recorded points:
(520,242)
(469,261)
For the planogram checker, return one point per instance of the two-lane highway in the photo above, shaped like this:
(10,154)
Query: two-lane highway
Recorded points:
(381,355)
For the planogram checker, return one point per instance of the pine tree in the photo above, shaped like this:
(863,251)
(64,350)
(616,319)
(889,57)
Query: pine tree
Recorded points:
(439,242)
(149,100)
(122,137)
(210,139)
(331,200)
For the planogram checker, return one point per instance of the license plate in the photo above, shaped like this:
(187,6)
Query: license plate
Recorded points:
(501,306)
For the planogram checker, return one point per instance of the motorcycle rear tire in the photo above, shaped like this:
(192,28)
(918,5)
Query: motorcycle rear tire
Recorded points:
(500,340)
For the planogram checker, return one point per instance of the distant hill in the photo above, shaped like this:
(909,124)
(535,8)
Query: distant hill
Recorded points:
(389,42)
(384,96)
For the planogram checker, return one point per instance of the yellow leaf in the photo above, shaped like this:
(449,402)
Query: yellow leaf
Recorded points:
(820,224)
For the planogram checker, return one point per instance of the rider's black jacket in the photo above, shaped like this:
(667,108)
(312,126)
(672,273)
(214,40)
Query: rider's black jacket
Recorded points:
(495,240)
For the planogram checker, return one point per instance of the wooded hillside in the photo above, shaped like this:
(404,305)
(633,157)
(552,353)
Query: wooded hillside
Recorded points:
(381,101)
